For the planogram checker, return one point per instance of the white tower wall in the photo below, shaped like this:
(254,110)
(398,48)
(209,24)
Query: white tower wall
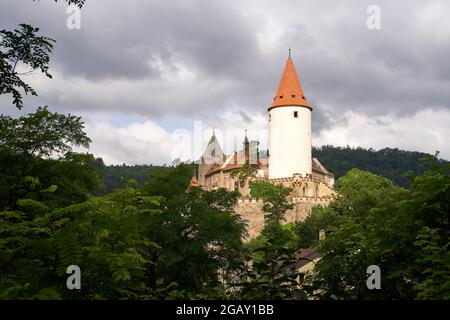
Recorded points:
(289,141)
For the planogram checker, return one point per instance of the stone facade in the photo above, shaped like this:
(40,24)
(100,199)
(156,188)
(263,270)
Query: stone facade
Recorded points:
(307,191)
(251,209)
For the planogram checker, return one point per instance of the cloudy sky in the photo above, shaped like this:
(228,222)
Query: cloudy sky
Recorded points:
(141,72)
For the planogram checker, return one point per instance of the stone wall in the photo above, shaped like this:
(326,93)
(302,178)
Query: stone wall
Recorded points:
(251,211)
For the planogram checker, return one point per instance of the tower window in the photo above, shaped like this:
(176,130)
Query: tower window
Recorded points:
(295,114)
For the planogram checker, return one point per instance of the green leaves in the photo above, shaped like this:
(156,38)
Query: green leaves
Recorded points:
(405,232)
(42,133)
(275,199)
(29,167)
(22,48)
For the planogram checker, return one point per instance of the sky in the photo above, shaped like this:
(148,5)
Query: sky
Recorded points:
(147,74)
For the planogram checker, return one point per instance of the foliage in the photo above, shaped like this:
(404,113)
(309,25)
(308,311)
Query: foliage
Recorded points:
(243,173)
(274,197)
(42,133)
(394,164)
(126,244)
(24,48)
(104,236)
(169,183)
(36,154)
(272,278)
(199,234)
(307,231)
(117,176)
(405,232)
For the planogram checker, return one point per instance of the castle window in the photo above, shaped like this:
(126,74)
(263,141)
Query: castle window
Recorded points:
(270,117)
(236,185)
(295,114)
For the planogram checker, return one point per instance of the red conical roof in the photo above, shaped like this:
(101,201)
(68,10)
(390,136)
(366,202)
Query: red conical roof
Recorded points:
(290,91)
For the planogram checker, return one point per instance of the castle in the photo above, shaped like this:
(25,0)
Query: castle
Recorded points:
(289,160)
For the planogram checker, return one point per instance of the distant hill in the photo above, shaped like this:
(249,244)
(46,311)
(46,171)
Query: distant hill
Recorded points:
(117,176)
(390,163)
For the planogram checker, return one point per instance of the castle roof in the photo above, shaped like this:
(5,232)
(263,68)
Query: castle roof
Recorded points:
(319,168)
(213,152)
(233,161)
(290,91)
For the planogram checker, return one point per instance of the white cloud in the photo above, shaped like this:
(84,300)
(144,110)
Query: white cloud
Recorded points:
(426,131)
(137,143)
(145,142)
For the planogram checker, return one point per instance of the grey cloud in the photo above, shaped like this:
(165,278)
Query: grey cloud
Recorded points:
(342,65)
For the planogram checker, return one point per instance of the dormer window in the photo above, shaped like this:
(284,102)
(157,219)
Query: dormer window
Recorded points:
(281,97)
(293,96)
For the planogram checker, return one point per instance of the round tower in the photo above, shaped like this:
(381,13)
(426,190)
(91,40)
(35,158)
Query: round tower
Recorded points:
(289,128)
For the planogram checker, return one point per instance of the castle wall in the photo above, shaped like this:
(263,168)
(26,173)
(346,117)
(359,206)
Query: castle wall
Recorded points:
(251,211)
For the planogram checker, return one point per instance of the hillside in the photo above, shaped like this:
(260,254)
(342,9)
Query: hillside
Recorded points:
(390,163)
(117,176)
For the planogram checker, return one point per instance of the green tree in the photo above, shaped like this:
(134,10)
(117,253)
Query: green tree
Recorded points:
(24,48)
(105,237)
(199,234)
(307,231)
(36,154)
(274,197)
(403,231)
(169,183)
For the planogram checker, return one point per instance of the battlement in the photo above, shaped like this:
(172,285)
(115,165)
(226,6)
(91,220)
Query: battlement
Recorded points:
(251,200)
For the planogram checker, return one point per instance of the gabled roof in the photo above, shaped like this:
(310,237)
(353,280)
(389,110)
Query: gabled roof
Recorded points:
(318,167)
(290,91)
(213,152)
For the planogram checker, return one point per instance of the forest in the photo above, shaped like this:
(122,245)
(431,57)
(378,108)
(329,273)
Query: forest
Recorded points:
(142,233)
